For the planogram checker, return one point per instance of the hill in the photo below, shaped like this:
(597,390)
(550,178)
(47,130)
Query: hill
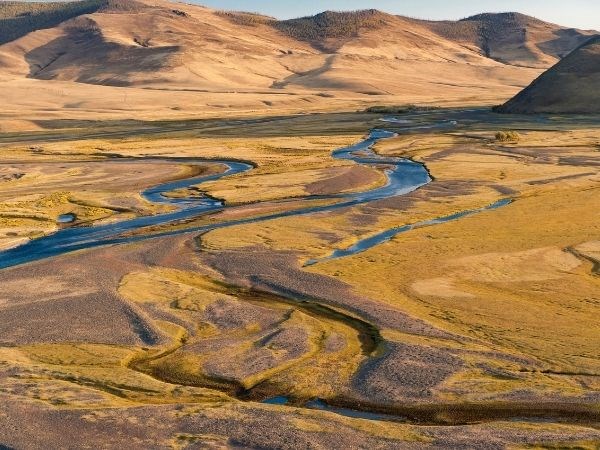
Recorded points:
(20,18)
(322,61)
(571,86)
(513,38)
(182,45)
(148,43)
(328,30)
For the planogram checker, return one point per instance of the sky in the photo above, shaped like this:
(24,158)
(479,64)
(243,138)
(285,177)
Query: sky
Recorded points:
(571,13)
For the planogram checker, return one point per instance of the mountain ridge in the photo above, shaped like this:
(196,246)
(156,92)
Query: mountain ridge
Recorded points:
(360,56)
(486,31)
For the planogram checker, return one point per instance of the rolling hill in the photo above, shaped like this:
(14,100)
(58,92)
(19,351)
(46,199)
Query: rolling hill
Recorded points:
(571,86)
(113,42)
(513,38)
(321,61)
(19,18)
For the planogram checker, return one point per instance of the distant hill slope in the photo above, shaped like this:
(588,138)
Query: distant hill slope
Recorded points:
(513,38)
(510,38)
(328,30)
(571,86)
(19,18)
(149,43)
(159,44)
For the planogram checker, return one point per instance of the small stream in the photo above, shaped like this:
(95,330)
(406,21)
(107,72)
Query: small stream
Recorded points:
(77,238)
(377,239)
(347,412)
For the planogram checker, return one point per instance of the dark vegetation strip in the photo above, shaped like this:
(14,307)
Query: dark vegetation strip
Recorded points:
(323,124)
(115,389)
(20,18)
(368,334)
(595,263)
(457,414)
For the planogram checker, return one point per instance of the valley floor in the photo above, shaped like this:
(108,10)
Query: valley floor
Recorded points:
(478,332)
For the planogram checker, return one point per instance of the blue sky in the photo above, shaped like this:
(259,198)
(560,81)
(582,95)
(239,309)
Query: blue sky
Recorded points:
(572,13)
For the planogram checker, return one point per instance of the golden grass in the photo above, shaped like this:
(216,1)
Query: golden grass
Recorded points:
(517,281)
(313,372)
(93,191)
(90,375)
(503,277)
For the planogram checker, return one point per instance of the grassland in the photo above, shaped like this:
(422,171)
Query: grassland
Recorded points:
(34,194)
(479,322)
(461,276)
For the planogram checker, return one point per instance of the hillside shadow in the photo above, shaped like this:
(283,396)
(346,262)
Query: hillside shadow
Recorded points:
(84,56)
(297,78)
(37,17)
(557,45)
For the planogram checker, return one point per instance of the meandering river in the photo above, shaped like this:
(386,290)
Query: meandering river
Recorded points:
(403,176)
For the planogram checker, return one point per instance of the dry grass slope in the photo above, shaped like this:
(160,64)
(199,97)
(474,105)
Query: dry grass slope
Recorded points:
(187,59)
(571,86)
(513,38)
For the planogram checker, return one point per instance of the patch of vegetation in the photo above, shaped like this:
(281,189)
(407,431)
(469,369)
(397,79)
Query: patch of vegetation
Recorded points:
(507,136)
(247,19)
(402,109)
(501,20)
(142,42)
(178,12)
(314,29)
(122,5)
(20,18)
(493,28)
(465,31)
(581,445)
(330,24)
(486,30)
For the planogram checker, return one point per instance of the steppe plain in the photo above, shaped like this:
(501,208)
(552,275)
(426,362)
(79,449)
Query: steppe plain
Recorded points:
(479,332)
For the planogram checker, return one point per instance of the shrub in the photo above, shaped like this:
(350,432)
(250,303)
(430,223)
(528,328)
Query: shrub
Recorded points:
(246,19)
(402,109)
(508,136)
